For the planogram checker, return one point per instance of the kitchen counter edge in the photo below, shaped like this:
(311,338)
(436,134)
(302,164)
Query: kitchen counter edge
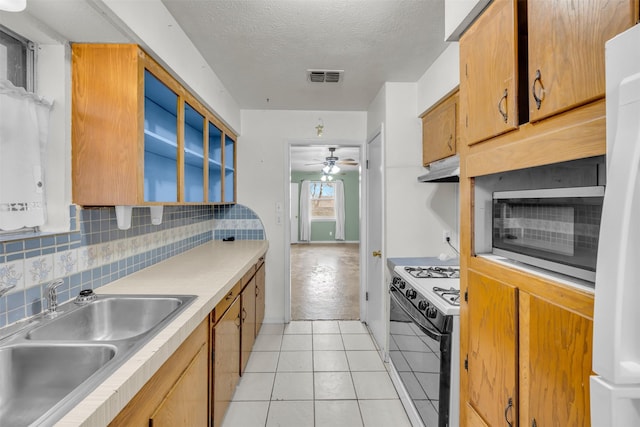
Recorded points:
(208,271)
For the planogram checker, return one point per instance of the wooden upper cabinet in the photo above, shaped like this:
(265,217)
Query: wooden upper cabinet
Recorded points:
(439,130)
(566,42)
(555,364)
(492,349)
(139,137)
(488,74)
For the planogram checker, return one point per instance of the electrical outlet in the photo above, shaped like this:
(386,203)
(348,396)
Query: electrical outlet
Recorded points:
(330,233)
(446,234)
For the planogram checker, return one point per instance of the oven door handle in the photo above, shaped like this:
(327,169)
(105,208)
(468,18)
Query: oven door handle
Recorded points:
(432,332)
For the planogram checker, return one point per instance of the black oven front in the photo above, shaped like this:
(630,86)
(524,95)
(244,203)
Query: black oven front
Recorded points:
(421,354)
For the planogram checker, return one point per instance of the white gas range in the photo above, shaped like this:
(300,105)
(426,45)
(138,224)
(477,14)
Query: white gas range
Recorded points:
(439,285)
(425,340)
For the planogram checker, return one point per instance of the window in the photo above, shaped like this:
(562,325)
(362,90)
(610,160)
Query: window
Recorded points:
(17,65)
(322,196)
(16,60)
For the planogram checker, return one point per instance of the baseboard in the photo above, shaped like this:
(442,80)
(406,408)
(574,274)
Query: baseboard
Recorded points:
(326,242)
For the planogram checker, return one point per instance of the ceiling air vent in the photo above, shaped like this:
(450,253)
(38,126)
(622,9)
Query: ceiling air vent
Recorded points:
(324,76)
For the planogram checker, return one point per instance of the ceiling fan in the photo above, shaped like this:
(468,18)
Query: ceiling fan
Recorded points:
(332,161)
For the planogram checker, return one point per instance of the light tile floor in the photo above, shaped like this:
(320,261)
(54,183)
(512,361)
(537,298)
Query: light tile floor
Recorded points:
(316,374)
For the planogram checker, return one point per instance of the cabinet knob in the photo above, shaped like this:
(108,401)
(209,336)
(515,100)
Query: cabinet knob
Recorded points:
(538,97)
(449,143)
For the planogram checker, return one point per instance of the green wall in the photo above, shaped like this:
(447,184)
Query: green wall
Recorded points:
(320,229)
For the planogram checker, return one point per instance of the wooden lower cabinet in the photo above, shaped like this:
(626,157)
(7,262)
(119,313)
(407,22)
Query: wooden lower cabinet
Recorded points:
(555,364)
(226,365)
(248,316)
(177,394)
(529,360)
(492,349)
(184,405)
(260,295)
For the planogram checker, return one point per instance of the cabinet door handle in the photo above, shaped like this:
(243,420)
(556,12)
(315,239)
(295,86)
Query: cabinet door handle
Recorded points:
(507,410)
(449,143)
(534,423)
(538,99)
(229,296)
(505,117)
(244,314)
(237,321)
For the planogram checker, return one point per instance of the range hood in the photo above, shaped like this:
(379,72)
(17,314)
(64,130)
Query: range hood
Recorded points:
(445,170)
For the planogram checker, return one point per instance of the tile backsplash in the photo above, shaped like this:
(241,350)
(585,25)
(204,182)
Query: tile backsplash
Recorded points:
(237,221)
(98,252)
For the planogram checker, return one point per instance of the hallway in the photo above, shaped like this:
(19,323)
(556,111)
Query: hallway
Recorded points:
(325,281)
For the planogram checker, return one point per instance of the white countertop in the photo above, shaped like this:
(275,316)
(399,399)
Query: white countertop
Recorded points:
(208,271)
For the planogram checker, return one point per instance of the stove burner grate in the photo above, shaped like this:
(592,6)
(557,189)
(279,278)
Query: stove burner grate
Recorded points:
(451,295)
(434,272)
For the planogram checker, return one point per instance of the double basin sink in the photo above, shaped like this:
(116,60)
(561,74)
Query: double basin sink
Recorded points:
(48,366)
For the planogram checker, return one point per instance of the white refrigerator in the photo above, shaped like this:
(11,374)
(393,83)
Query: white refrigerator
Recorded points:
(615,386)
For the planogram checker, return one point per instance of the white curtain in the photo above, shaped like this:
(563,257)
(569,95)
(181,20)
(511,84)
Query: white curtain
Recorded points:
(305,215)
(24,123)
(339,206)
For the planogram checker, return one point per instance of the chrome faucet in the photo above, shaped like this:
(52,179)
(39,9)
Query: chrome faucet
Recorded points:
(52,297)
(6,288)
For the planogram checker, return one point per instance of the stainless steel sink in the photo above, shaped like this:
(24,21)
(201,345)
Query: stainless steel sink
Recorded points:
(36,377)
(109,318)
(47,366)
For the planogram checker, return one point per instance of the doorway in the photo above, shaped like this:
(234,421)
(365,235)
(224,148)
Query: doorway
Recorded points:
(324,263)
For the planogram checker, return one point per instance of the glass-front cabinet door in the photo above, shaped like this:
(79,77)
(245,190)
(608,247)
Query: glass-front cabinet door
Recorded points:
(215,164)
(193,155)
(229,169)
(160,141)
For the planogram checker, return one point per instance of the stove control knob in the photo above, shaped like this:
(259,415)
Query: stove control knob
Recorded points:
(432,312)
(411,293)
(396,280)
(422,305)
(402,284)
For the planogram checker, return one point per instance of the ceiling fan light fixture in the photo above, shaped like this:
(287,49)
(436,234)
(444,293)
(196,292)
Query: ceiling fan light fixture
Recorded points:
(325,177)
(326,169)
(334,169)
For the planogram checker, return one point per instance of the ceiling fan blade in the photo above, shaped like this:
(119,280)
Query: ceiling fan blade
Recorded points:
(348,163)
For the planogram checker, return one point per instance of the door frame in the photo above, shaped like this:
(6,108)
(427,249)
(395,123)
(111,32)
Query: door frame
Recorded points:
(362,145)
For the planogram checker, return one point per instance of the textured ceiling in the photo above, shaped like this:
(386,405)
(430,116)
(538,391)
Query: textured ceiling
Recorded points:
(261,49)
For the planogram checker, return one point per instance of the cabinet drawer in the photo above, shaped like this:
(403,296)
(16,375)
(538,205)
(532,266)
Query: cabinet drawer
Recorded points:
(226,302)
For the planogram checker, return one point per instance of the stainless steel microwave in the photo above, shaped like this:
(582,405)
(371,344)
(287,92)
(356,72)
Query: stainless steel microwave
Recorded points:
(556,229)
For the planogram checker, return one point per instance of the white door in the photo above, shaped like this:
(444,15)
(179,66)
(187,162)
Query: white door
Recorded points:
(377,304)
(294,211)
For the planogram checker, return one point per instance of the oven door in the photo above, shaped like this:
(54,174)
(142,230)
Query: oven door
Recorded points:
(422,357)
